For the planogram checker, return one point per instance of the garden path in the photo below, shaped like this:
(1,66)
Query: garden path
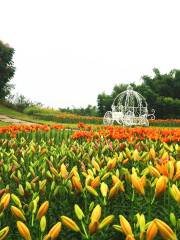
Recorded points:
(7,119)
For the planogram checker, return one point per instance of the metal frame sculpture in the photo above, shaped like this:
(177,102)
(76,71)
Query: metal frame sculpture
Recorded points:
(129,108)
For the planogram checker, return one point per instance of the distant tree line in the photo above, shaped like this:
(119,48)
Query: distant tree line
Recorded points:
(87,111)
(162,93)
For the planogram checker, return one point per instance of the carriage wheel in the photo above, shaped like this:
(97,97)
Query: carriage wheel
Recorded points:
(107,120)
(145,122)
(128,121)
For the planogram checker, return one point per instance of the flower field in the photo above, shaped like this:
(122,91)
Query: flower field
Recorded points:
(103,183)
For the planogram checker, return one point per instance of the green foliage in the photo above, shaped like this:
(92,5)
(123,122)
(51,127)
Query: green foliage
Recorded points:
(165,95)
(104,103)
(35,109)
(18,102)
(88,111)
(118,89)
(161,92)
(7,69)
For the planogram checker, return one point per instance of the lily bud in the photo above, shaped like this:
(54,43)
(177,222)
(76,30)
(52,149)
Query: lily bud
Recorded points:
(170,166)
(111,163)
(130,237)
(175,193)
(73,172)
(160,185)
(5,200)
(91,206)
(96,214)
(154,172)
(17,213)
(93,227)
(34,204)
(126,228)
(95,165)
(68,222)
(136,155)
(172,218)
(115,179)
(79,213)
(21,190)
(90,172)
(178,224)
(104,189)
(54,171)
(136,182)
(177,165)
(55,230)
(23,230)
(92,191)
(151,231)
(165,157)
(76,184)
(106,221)
(88,180)
(114,190)
(105,176)
(152,154)
(128,153)
(42,210)
(95,182)
(143,180)
(177,176)
(4,232)
(165,231)
(43,224)
(63,170)
(142,223)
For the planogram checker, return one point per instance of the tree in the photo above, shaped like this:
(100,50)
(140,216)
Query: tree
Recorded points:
(7,69)
(118,89)
(104,103)
(148,94)
(166,85)
(163,93)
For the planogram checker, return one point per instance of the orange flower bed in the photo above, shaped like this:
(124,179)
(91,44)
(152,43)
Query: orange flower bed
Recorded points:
(131,134)
(13,130)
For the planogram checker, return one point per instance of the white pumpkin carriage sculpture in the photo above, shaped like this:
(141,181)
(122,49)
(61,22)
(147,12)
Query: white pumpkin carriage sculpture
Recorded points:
(129,108)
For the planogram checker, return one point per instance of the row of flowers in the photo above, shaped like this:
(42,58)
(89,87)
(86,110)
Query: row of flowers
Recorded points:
(129,134)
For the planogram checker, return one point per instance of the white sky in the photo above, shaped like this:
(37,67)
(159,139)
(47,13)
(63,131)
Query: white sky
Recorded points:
(67,52)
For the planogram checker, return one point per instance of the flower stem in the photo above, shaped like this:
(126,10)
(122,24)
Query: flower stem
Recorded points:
(84,229)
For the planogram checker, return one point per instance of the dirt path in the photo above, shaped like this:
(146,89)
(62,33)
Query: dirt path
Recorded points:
(14,121)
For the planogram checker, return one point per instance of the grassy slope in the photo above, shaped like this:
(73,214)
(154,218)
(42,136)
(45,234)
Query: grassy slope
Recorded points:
(14,114)
(4,123)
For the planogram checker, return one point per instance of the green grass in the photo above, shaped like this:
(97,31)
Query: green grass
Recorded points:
(4,123)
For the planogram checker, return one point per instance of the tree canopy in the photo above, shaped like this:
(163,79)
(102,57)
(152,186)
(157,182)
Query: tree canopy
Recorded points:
(7,69)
